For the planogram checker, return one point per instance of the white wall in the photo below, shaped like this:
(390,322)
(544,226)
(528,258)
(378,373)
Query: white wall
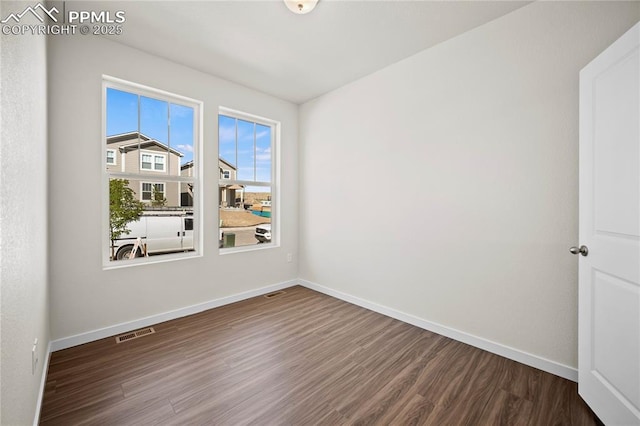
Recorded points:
(84,297)
(24,312)
(445,186)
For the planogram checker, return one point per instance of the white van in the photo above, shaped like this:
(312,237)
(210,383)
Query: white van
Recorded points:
(162,233)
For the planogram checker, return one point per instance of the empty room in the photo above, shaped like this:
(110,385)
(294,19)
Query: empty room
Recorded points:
(305,212)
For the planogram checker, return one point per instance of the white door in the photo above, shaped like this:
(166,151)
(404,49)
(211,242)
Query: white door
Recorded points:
(609,276)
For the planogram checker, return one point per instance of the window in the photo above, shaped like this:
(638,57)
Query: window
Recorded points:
(152,162)
(246,189)
(153,192)
(158,162)
(146,161)
(111,157)
(155,134)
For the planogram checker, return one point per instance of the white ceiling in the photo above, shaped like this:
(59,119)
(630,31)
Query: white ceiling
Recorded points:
(262,45)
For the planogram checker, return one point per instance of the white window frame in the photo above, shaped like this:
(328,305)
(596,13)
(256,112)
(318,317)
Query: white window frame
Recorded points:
(274,184)
(115,157)
(196,177)
(163,162)
(150,200)
(154,156)
(226,174)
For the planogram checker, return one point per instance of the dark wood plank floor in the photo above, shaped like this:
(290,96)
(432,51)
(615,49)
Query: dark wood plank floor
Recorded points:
(300,358)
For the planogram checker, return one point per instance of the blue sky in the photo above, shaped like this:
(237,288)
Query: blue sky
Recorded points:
(250,151)
(122,117)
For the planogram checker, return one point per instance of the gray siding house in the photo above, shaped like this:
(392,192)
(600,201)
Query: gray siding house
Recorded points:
(135,152)
(231,195)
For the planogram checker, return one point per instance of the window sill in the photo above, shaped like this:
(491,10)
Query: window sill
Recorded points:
(256,247)
(151,260)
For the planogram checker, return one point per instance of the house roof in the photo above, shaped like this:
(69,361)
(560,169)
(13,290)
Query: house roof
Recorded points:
(227,163)
(143,142)
(126,136)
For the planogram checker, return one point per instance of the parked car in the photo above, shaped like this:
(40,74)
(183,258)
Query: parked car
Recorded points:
(162,233)
(263,233)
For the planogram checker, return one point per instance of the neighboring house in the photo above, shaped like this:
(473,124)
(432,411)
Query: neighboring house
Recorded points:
(135,152)
(186,189)
(231,195)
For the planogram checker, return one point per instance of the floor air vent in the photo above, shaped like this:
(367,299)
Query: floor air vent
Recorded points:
(134,334)
(274,294)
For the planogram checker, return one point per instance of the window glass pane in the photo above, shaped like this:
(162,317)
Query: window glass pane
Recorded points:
(251,150)
(125,209)
(122,119)
(147,190)
(159,162)
(154,116)
(158,195)
(122,112)
(181,138)
(246,150)
(186,195)
(154,128)
(146,161)
(248,221)
(227,139)
(131,225)
(263,153)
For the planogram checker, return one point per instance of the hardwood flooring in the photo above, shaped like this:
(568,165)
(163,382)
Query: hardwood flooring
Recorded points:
(301,358)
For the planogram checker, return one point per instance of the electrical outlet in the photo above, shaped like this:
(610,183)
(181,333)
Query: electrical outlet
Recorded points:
(34,356)
(289,257)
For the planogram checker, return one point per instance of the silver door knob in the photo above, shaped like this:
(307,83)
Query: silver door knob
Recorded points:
(583,250)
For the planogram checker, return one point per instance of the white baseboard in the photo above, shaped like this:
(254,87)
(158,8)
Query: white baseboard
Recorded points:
(43,382)
(90,336)
(526,358)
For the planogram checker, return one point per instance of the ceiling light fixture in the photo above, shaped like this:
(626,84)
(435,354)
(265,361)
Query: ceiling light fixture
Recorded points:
(300,7)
